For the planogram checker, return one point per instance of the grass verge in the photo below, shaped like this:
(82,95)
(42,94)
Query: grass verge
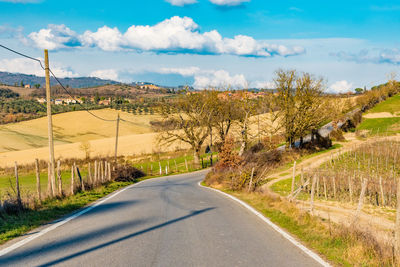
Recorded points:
(380,125)
(340,245)
(12,226)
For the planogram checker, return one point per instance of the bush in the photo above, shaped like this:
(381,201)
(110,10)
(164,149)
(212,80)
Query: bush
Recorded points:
(127,173)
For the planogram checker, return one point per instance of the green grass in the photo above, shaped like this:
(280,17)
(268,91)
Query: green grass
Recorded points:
(380,125)
(12,226)
(391,105)
(289,165)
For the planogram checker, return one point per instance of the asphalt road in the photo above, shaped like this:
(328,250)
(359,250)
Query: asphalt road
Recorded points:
(168,221)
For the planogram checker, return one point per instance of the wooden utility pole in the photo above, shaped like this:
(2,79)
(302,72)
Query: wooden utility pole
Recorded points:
(116,140)
(51,174)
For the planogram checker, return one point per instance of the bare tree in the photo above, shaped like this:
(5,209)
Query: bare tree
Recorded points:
(187,119)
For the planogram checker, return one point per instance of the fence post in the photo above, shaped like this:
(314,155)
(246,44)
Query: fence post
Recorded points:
(381,189)
(72,179)
(17,186)
(397,225)
(102,170)
(80,179)
(187,168)
(38,189)
(312,195)
(89,174)
(59,178)
(293,177)
(159,163)
(176,166)
(95,172)
(361,199)
(326,195)
(166,170)
(251,180)
(109,171)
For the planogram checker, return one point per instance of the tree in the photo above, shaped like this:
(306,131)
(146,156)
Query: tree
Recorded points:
(359,90)
(301,107)
(187,119)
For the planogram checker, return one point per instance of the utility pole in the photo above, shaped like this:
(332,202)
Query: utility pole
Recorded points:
(51,175)
(116,140)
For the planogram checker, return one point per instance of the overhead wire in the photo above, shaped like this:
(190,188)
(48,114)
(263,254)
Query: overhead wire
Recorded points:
(62,86)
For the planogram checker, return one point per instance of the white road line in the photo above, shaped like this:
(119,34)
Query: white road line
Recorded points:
(54,226)
(92,206)
(310,253)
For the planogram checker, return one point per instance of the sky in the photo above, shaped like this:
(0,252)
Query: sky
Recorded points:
(205,43)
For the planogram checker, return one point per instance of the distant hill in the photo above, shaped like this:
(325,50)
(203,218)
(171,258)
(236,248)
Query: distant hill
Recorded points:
(79,82)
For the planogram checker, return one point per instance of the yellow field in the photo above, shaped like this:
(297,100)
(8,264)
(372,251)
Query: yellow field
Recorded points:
(25,141)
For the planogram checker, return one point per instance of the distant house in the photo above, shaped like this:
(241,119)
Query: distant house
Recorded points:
(58,101)
(41,100)
(69,101)
(105,102)
(27,86)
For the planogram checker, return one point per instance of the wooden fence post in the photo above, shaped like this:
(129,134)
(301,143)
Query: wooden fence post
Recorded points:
(17,187)
(166,169)
(187,168)
(95,173)
(397,226)
(59,178)
(109,171)
(73,179)
(38,189)
(381,189)
(159,163)
(325,193)
(293,177)
(361,199)
(102,170)
(90,181)
(312,195)
(80,178)
(251,180)
(176,166)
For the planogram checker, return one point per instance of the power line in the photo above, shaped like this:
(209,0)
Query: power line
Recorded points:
(65,89)
(62,86)
(18,53)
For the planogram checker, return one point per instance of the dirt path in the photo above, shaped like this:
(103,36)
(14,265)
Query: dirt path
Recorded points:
(336,211)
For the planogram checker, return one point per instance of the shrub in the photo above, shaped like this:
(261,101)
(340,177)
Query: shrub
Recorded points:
(126,173)
(227,157)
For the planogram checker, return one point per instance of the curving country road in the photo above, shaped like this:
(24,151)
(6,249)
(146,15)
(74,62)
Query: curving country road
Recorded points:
(168,221)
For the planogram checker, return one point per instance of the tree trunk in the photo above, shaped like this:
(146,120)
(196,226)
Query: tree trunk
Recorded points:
(196,157)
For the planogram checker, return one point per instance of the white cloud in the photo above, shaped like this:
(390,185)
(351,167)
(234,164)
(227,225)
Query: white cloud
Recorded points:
(209,78)
(341,87)
(55,37)
(28,66)
(107,74)
(263,85)
(181,2)
(228,2)
(174,35)
(377,56)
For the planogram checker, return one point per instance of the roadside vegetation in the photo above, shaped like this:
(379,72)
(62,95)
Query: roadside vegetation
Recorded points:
(358,177)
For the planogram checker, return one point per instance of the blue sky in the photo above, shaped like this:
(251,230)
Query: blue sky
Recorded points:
(206,42)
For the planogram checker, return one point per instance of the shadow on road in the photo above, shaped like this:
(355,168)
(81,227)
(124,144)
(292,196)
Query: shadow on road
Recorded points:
(65,244)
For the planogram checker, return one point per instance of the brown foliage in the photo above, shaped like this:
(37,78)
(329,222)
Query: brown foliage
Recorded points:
(126,173)
(228,158)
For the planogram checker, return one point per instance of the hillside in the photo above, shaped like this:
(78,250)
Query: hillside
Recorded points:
(79,82)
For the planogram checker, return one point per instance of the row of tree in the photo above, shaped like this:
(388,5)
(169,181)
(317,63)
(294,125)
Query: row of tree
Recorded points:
(295,108)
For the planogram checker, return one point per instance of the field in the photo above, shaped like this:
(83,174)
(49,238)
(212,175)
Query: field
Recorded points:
(27,140)
(383,118)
